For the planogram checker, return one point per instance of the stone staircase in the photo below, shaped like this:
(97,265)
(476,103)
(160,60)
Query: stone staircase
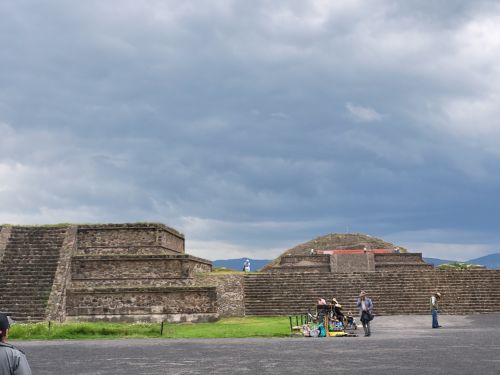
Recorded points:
(399,262)
(27,270)
(405,292)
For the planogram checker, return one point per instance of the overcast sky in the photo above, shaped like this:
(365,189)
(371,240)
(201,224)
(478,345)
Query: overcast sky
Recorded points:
(252,126)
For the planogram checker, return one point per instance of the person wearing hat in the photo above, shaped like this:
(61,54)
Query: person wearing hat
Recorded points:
(434,309)
(12,360)
(337,310)
(365,306)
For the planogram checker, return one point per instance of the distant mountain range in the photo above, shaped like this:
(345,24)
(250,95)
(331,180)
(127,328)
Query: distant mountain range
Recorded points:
(491,261)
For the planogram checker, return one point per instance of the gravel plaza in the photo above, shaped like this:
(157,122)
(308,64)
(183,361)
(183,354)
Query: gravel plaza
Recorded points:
(399,345)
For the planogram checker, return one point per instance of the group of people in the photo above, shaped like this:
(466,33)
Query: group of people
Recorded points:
(365,306)
(13,361)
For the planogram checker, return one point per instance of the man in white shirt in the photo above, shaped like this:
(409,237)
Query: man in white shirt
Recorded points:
(434,309)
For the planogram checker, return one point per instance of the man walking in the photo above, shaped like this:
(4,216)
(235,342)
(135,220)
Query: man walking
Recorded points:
(434,309)
(365,306)
(12,360)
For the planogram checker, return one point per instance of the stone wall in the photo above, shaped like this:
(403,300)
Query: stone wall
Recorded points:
(395,292)
(305,259)
(399,257)
(399,262)
(113,271)
(303,263)
(136,272)
(129,238)
(361,261)
(56,306)
(134,267)
(4,238)
(352,262)
(230,292)
(125,304)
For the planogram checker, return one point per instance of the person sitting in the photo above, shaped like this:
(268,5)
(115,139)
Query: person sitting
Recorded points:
(321,309)
(337,311)
(350,319)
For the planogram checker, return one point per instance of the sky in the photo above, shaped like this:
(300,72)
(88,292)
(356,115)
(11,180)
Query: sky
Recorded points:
(253,126)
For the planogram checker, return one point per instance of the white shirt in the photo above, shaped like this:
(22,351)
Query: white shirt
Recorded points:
(433,301)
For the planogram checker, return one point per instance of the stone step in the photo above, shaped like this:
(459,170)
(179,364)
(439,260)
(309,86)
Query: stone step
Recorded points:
(13,268)
(24,292)
(371,291)
(30,257)
(23,264)
(35,240)
(29,302)
(25,310)
(16,239)
(374,282)
(392,292)
(29,277)
(383,275)
(28,268)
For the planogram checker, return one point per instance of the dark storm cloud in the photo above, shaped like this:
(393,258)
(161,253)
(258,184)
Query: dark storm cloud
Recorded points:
(254,125)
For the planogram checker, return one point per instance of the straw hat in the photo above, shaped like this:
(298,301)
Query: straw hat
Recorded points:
(335,300)
(362,294)
(438,295)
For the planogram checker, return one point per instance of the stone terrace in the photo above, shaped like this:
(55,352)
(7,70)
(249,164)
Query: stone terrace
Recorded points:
(101,272)
(403,292)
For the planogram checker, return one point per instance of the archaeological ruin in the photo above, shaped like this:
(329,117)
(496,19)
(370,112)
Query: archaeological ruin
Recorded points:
(141,272)
(101,272)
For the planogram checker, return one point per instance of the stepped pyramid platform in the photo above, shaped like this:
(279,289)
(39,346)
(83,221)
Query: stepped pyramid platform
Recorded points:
(393,292)
(341,265)
(345,253)
(118,272)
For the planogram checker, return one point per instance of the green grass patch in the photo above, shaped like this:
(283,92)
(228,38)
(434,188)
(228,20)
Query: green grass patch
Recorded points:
(459,266)
(224,328)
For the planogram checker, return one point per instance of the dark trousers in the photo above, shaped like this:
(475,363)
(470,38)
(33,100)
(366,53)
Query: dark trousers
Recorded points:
(366,327)
(435,323)
(366,323)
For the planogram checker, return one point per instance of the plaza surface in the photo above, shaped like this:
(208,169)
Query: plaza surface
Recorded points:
(398,345)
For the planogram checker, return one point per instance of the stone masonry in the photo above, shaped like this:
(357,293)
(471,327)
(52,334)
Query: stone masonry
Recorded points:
(140,272)
(349,262)
(27,270)
(4,238)
(118,272)
(393,292)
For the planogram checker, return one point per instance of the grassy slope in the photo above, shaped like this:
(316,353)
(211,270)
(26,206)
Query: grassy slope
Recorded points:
(224,328)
